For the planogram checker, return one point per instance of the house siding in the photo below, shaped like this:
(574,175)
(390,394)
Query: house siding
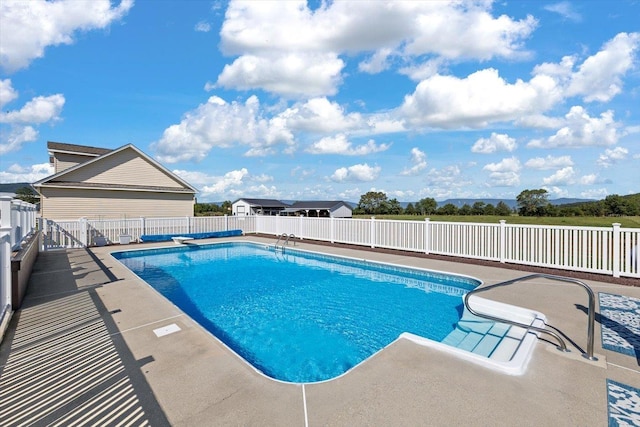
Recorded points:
(123,168)
(68,203)
(64,161)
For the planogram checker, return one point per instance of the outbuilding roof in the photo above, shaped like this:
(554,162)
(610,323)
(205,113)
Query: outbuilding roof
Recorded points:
(319,204)
(265,203)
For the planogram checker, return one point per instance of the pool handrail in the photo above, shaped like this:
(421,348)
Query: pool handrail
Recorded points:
(562,346)
(286,238)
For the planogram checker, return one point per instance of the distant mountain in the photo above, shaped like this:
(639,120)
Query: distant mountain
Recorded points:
(12,187)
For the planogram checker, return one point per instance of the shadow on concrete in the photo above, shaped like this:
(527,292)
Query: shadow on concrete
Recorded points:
(618,328)
(63,359)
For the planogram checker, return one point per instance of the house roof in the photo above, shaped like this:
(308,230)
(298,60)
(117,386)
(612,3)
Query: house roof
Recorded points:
(93,185)
(318,204)
(54,180)
(265,203)
(62,147)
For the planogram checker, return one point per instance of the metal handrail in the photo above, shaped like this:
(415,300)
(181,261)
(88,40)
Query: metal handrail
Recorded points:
(278,241)
(562,346)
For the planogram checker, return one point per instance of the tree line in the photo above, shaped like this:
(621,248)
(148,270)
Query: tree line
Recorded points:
(529,203)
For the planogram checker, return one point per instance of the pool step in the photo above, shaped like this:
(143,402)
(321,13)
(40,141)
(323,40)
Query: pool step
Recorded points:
(496,341)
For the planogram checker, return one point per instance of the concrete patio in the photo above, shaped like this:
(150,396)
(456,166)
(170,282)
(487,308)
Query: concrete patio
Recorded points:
(82,349)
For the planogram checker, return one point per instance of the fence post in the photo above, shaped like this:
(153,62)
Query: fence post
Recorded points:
(84,232)
(373,231)
(5,252)
(427,236)
(503,240)
(616,249)
(332,224)
(143,226)
(43,245)
(226,222)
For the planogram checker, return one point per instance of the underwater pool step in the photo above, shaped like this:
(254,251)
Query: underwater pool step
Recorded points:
(497,341)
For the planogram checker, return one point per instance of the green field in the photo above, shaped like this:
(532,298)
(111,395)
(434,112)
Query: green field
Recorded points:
(578,221)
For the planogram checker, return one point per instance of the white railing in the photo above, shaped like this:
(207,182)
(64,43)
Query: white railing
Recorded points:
(606,250)
(17,222)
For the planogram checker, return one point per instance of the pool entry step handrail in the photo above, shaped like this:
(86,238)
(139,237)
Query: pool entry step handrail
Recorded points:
(285,240)
(561,344)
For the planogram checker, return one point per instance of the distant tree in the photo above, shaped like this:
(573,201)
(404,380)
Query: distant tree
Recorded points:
(502,209)
(226,207)
(394,207)
(533,202)
(615,205)
(26,194)
(373,202)
(410,210)
(465,210)
(448,209)
(478,208)
(489,209)
(427,206)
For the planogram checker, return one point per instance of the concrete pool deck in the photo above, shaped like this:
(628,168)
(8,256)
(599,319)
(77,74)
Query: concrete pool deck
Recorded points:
(83,347)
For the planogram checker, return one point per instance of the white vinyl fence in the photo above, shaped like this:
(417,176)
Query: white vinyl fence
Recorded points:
(17,222)
(606,250)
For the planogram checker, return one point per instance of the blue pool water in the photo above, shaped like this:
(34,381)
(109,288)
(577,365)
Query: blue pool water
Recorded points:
(299,316)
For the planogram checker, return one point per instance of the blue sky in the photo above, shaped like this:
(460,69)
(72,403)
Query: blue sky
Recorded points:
(300,100)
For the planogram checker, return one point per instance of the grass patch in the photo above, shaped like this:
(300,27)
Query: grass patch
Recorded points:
(575,221)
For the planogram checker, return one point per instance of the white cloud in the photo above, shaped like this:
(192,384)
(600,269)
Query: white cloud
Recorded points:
(322,116)
(40,109)
(505,173)
(562,176)
(356,173)
(549,162)
(595,193)
(377,62)
(339,144)
(556,192)
(477,100)
(288,49)
(589,179)
(221,124)
(203,27)
(7,92)
(497,142)
(582,130)
(217,184)
(611,156)
(599,76)
(447,176)
(565,9)
(29,27)
(539,121)
(17,136)
(418,161)
(293,75)
(33,173)
(423,70)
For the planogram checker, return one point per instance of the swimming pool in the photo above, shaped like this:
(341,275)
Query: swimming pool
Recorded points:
(299,316)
